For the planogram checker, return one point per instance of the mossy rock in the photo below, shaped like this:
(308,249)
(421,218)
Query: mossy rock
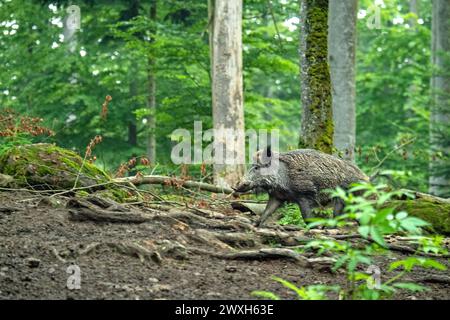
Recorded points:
(437,213)
(47,166)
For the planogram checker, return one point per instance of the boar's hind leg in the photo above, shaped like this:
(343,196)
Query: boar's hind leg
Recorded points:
(338,206)
(305,207)
(272,205)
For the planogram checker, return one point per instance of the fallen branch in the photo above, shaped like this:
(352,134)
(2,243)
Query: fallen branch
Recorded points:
(425,196)
(165,180)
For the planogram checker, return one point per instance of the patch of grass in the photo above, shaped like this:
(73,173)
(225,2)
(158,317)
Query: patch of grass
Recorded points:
(290,214)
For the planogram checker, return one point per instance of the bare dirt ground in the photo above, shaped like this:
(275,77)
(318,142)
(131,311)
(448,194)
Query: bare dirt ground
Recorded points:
(135,252)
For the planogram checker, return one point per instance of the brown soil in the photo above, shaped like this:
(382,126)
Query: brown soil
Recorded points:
(39,241)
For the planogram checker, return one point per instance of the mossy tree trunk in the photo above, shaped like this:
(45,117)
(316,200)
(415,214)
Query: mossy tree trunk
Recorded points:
(317,116)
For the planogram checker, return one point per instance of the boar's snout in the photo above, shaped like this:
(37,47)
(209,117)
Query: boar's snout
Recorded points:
(243,186)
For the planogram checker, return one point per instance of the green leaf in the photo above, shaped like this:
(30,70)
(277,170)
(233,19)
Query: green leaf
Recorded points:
(409,286)
(431,263)
(377,236)
(364,231)
(265,295)
(300,291)
(401,215)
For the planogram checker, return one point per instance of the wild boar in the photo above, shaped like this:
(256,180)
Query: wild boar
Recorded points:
(300,177)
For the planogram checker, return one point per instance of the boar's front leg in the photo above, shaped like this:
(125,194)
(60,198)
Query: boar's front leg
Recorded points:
(272,205)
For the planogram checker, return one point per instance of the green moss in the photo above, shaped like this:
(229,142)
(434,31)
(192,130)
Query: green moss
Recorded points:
(320,136)
(82,194)
(119,195)
(437,214)
(49,166)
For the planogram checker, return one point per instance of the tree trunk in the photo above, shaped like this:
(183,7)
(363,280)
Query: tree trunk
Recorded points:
(413,88)
(227,91)
(132,133)
(413,8)
(342,44)
(440,105)
(317,115)
(131,13)
(71,25)
(151,102)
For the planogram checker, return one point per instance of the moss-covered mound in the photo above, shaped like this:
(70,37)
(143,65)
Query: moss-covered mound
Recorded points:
(48,166)
(437,213)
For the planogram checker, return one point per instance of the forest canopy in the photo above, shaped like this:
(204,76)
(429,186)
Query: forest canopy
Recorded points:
(63,78)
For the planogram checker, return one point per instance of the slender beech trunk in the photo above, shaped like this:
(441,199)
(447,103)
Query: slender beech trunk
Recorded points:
(227,91)
(317,114)
(440,105)
(70,29)
(133,12)
(151,101)
(413,89)
(132,127)
(413,8)
(342,45)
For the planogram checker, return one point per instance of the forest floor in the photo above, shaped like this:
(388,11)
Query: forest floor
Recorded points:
(137,252)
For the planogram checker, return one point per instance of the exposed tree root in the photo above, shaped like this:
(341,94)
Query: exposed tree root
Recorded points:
(268,253)
(231,236)
(129,249)
(203,222)
(435,279)
(8,210)
(82,210)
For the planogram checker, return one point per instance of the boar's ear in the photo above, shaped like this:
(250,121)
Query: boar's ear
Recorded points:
(269,151)
(266,155)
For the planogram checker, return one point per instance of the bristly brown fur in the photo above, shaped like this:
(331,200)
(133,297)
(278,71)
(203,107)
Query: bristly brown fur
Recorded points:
(311,171)
(302,177)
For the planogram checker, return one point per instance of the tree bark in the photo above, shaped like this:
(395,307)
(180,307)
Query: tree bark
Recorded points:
(440,104)
(342,45)
(131,13)
(70,30)
(227,91)
(413,8)
(317,115)
(132,126)
(413,90)
(151,101)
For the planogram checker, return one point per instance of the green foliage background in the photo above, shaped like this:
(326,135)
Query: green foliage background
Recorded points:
(41,77)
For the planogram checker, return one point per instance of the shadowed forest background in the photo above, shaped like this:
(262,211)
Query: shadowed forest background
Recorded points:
(153,59)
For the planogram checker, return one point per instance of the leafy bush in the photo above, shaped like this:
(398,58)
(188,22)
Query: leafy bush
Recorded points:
(366,205)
